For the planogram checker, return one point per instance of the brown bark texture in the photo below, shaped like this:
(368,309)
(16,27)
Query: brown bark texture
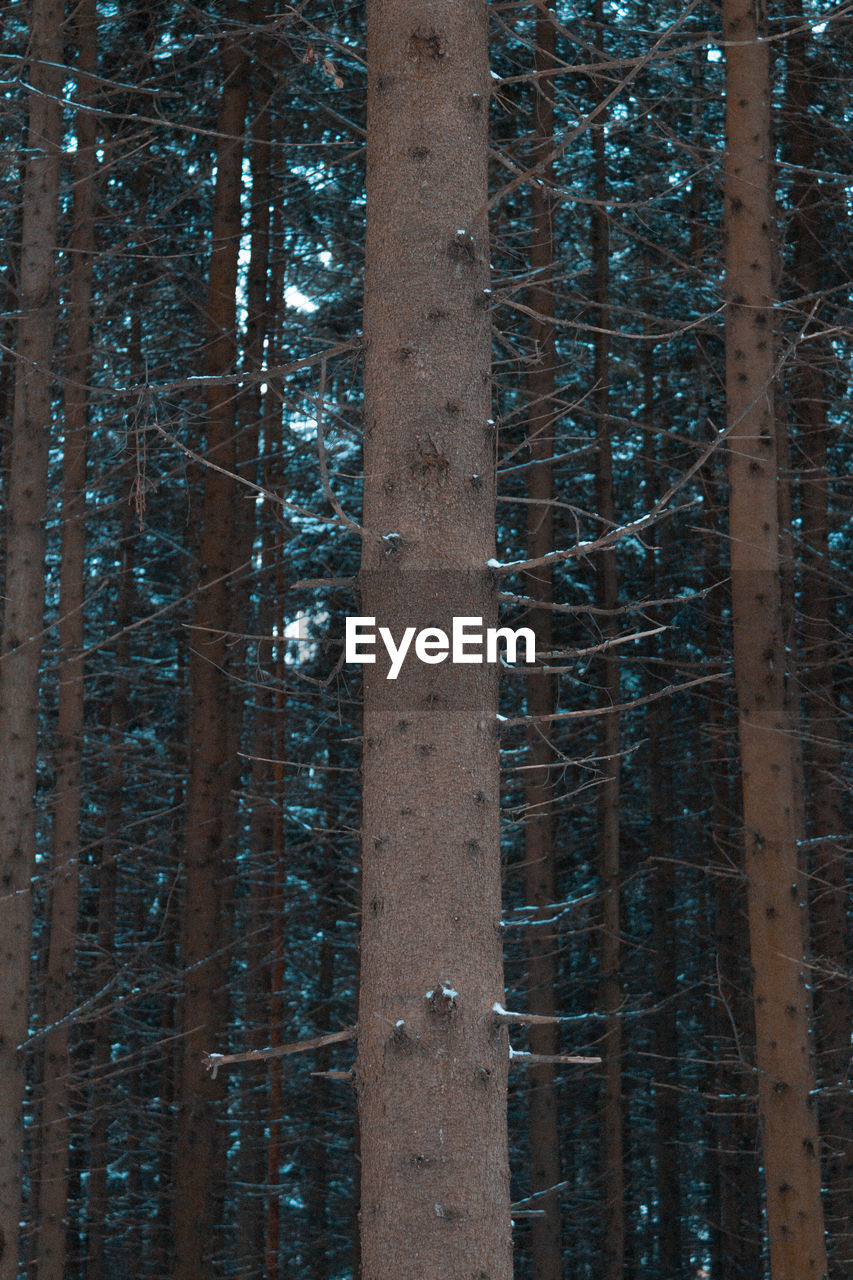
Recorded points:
(199,1161)
(60,967)
(775,889)
(540,871)
(827,847)
(24,592)
(432,1059)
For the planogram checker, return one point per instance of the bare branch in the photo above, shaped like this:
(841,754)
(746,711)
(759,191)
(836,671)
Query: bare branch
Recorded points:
(587,713)
(542,1059)
(213,1061)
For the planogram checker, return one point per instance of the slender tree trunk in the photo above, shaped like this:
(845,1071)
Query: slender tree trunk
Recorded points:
(824,751)
(317,1206)
(60,966)
(610,994)
(432,1059)
(662,800)
(738,1223)
(24,592)
(272,1217)
(199,1160)
(540,870)
(114,813)
(775,890)
(253,1157)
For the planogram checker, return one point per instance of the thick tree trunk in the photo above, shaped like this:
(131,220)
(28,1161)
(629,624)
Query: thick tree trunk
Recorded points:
(199,1160)
(540,872)
(775,889)
(824,751)
(60,966)
(24,592)
(432,1060)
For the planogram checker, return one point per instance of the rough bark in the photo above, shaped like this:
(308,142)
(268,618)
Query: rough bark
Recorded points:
(60,966)
(775,889)
(199,1162)
(540,871)
(24,591)
(827,847)
(432,1061)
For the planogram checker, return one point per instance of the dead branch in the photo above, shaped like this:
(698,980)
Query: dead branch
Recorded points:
(543,1059)
(213,1061)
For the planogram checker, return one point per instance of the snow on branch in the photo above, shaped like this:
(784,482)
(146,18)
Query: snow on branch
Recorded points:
(213,1061)
(542,1059)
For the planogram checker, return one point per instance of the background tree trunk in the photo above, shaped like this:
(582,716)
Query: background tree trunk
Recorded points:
(20,653)
(540,886)
(65,867)
(824,755)
(610,994)
(199,1163)
(432,1060)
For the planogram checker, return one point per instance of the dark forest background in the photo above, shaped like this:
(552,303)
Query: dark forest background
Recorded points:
(196,844)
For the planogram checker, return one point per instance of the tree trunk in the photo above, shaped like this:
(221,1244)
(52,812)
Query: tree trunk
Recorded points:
(24,591)
(199,1160)
(255,1112)
(775,889)
(737,1226)
(824,750)
(60,966)
(114,813)
(432,1059)
(610,993)
(317,1197)
(662,801)
(540,872)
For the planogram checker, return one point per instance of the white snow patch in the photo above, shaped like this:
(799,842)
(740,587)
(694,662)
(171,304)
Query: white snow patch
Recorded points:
(300,301)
